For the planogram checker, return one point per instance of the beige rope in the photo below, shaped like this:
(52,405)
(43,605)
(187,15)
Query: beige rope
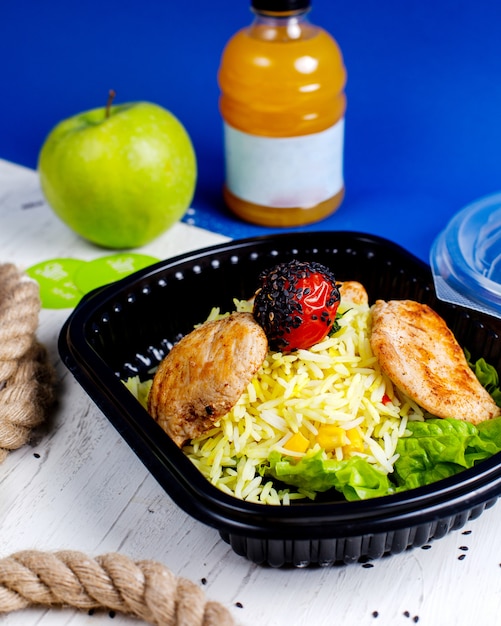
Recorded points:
(26,376)
(143,589)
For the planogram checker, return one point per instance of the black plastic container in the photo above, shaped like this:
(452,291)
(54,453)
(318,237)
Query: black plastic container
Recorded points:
(126,328)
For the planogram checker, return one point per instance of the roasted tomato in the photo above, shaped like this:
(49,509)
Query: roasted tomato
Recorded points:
(296,304)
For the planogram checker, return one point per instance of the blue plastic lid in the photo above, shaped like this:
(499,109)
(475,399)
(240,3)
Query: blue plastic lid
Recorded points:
(466,257)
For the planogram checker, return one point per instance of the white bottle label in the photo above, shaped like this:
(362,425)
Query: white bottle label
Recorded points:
(285,172)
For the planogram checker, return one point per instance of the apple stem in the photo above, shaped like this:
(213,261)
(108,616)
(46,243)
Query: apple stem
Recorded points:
(111,97)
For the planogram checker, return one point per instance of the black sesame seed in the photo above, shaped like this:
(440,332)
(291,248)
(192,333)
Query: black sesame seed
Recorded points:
(203,581)
(461,557)
(375,614)
(239,605)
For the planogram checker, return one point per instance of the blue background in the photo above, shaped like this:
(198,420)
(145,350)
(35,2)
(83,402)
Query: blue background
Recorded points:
(423,129)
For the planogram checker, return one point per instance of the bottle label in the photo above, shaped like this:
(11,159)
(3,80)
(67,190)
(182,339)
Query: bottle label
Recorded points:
(285,172)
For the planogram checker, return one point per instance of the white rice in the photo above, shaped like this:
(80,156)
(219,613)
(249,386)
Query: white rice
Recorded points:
(336,382)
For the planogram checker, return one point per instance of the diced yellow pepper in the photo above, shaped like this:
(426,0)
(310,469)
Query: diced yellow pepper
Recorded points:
(356,441)
(297,443)
(330,437)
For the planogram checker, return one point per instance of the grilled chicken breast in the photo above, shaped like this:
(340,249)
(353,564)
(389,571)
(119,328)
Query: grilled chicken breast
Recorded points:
(421,356)
(353,291)
(205,374)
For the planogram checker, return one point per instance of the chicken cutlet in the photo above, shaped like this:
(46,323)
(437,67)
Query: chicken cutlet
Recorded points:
(353,291)
(204,375)
(420,355)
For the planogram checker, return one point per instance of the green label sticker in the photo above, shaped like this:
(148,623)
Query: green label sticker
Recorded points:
(108,269)
(56,280)
(63,282)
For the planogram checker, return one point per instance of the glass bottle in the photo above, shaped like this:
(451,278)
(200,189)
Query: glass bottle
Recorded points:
(283,103)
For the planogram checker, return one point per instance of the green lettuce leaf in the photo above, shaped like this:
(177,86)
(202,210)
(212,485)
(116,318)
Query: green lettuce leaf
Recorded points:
(437,448)
(355,478)
(489,378)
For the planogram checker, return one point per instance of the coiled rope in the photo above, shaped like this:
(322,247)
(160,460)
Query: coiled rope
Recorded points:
(26,377)
(144,589)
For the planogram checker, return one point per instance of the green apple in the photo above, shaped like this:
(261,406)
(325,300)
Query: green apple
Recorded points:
(120,175)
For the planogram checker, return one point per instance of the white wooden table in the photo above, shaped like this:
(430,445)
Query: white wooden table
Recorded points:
(79,486)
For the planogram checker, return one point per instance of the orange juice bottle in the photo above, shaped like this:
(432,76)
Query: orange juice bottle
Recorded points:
(282,101)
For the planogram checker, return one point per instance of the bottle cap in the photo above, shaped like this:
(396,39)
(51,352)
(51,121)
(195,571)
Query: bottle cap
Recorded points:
(280,6)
